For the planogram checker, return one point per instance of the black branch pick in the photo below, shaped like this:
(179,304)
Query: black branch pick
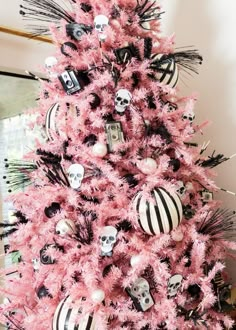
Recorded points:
(213,160)
(44,12)
(147,11)
(219,225)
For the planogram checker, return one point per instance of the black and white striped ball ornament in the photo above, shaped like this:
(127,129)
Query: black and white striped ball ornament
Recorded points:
(55,125)
(65,317)
(51,122)
(165,69)
(159,215)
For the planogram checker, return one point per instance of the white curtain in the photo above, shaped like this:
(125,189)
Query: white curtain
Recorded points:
(16,139)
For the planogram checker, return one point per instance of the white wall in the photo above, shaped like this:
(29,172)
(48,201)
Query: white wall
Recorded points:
(208,25)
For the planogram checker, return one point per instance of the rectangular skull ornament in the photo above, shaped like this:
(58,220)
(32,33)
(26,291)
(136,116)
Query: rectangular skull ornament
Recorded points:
(140,293)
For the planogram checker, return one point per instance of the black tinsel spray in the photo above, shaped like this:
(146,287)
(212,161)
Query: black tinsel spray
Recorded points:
(46,12)
(147,11)
(220,225)
(187,60)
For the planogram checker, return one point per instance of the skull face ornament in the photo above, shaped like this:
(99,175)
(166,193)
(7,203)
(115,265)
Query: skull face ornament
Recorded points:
(180,188)
(108,238)
(75,175)
(100,23)
(190,116)
(49,63)
(122,100)
(174,284)
(140,294)
(65,227)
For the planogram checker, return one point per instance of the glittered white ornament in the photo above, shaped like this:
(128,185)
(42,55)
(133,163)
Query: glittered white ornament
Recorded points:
(99,149)
(147,166)
(135,260)
(177,235)
(98,296)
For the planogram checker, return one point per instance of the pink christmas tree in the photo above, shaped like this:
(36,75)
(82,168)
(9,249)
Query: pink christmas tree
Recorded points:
(117,228)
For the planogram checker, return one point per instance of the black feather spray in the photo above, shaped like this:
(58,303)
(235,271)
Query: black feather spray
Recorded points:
(10,228)
(84,232)
(220,225)
(147,47)
(18,173)
(187,60)
(147,11)
(212,160)
(46,12)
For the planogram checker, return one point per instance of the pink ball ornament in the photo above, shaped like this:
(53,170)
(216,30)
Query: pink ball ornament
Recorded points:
(147,165)
(177,235)
(99,149)
(98,296)
(161,214)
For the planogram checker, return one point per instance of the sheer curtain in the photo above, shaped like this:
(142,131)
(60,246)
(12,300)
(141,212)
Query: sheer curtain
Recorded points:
(15,140)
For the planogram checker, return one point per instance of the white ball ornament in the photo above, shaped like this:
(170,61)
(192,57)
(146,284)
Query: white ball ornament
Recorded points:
(135,260)
(147,166)
(98,296)
(99,149)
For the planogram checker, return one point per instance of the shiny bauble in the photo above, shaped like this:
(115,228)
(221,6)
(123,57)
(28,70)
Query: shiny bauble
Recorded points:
(135,260)
(99,150)
(98,296)
(147,166)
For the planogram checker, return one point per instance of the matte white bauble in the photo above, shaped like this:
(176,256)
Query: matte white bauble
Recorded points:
(147,166)
(99,149)
(98,296)
(135,260)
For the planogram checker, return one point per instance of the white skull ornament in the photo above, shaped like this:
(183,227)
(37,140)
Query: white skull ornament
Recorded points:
(174,284)
(140,293)
(108,239)
(180,188)
(75,175)
(122,100)
(49,63)
(189,115)
(100,23)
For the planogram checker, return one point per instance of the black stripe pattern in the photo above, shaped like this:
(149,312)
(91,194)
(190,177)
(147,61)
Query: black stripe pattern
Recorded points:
(50,123)
(161,214)
(165,68)
(65,316)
